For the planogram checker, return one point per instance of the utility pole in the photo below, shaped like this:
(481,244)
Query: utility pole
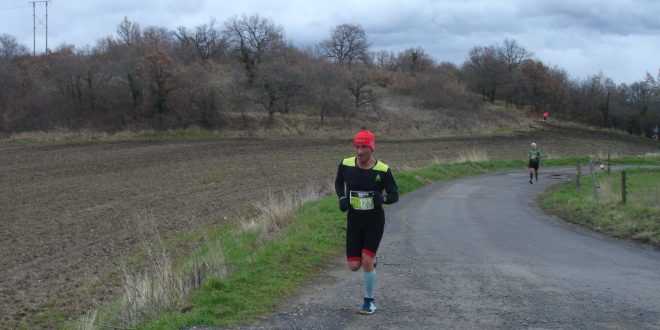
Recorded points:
(46,2)
(34,32)
(42,23)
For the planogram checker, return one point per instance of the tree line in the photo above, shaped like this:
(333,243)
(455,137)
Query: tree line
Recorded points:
(216,75)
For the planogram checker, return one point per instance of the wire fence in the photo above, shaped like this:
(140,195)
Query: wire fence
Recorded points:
(609,182)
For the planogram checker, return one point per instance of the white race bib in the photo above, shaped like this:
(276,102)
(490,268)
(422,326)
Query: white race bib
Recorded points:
(362,200)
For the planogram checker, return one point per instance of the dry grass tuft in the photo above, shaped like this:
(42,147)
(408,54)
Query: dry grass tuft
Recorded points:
(57,136)
(602,155)
(160,287)
(606,193)
(652,154)
(275,213)
(474,155)
(89,321)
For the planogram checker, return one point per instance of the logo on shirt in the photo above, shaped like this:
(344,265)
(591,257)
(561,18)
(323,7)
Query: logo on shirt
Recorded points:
(377,178)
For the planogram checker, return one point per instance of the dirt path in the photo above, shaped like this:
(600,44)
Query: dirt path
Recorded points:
(70,215)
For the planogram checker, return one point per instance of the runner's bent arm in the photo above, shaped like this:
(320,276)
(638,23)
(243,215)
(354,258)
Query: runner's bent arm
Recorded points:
(339,183)
(390,188)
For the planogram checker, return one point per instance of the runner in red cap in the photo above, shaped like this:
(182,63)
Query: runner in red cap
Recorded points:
(359,185)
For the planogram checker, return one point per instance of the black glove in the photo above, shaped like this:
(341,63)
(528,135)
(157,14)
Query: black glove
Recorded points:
(343,204)
(378,198)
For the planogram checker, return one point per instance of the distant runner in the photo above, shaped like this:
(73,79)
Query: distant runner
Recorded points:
(359,185)
(534,162)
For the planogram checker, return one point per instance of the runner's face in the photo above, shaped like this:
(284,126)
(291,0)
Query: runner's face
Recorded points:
(363,153)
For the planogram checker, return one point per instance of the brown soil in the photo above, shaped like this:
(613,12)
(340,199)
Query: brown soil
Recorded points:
(71,215)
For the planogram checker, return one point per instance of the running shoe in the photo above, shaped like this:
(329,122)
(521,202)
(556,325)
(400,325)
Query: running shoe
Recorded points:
(368,307)
(530,181)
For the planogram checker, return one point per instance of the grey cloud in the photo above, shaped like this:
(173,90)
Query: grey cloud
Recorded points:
(606,17)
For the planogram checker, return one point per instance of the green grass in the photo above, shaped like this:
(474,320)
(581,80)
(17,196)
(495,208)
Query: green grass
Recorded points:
(638,219)
(260,272)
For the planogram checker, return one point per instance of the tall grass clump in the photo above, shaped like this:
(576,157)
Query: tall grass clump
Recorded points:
(159,287)
(471,156)
(638,219)
(276,212)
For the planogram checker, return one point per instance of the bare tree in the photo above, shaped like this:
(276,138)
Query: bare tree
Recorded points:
(358,85)
(347,44)
(592,100)
(253,38)
(640,97)
(236,92)
(9,73)
(486,71)
(128,32)
(329,92)
(154,82)
(415,60)
(280,84)
(539,87)
(9,47)
(513,54)
(441,88)
(157,39)
(384,59)
(205,38)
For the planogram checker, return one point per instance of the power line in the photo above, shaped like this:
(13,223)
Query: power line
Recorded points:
(12,8)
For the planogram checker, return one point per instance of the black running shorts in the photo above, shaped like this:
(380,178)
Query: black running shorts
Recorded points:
(533,163)
(363,234)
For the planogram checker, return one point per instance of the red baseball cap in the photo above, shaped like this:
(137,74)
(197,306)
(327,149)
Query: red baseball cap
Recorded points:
(365,138)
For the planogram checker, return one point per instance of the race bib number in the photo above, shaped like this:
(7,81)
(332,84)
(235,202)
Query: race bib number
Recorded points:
(362,200)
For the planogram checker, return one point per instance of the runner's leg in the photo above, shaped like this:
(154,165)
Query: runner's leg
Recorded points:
(355,233)
(374,234)
(536,171)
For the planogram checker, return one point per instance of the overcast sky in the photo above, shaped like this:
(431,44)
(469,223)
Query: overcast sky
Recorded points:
(620,38)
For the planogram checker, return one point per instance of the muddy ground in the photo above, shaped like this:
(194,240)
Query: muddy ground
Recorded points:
(71,215)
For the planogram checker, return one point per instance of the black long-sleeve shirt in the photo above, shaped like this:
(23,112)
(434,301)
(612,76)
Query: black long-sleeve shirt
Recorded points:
(350,177)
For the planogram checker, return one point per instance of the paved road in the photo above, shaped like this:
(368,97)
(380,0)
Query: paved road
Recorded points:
(477,253)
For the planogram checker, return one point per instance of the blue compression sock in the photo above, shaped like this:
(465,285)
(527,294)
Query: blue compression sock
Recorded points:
(369,283)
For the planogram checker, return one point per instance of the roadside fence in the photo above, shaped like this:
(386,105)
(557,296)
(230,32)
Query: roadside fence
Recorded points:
(609,187)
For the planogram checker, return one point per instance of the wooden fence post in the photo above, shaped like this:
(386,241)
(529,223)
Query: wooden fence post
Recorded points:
(608,163)
(623,186)
(593,178)
(577,180)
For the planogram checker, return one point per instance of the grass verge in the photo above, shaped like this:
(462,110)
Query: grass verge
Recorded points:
(637,220)
(265,260)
